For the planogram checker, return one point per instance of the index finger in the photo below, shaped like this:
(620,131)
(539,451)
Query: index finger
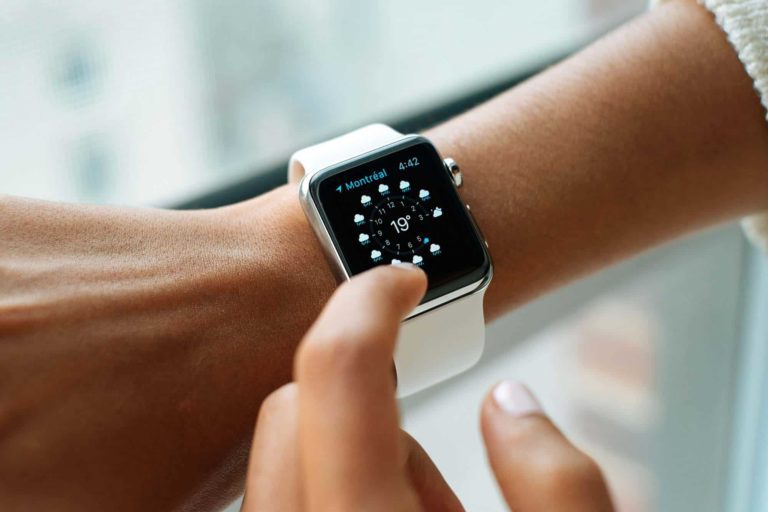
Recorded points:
(348,419)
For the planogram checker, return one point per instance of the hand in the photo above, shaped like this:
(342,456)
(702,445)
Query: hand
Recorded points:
(331,440)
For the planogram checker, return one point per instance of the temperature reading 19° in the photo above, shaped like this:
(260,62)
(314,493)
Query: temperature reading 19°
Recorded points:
(401,224)
(398,225)
(411,162)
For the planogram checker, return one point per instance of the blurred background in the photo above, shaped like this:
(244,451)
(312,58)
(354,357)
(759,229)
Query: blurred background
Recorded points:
(152,102)
(657,367)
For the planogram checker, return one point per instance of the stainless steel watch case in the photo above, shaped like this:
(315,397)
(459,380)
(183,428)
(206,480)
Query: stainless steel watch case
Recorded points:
(326,241)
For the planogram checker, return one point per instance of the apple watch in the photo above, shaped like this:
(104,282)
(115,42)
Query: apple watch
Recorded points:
(376,197)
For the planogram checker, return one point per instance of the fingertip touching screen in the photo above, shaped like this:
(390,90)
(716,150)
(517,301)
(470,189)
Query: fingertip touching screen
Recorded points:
(399,204)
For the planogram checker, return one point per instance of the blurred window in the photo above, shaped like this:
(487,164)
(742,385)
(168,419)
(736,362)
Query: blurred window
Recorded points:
(148,102)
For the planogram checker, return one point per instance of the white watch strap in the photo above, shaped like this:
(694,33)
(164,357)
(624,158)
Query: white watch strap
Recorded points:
(434,345)
(440,343)
(314,158)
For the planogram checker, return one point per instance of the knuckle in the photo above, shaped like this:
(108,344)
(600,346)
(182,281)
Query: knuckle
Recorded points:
(339,354)
(383,277)
(385,281)
(277,401)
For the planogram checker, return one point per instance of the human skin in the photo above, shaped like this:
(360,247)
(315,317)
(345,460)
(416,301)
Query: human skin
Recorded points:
(136,345)
(331,440)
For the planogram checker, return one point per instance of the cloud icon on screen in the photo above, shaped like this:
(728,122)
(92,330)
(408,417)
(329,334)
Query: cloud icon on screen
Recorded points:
(383,188)
(375,254)
(396,261)
(363,237)
(417,259)
(365,199)
(423,194)
(404,185)
(438,212)
(434,248)
(359,218)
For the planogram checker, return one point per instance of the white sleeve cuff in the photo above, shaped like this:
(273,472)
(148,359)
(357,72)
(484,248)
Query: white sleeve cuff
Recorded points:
(745,23)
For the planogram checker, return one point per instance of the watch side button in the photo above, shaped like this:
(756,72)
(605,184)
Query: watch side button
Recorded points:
(454,171)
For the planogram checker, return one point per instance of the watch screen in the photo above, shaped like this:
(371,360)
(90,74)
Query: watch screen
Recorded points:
(400,204)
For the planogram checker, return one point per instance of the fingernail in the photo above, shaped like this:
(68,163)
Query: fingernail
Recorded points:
(515,399)
(405,265)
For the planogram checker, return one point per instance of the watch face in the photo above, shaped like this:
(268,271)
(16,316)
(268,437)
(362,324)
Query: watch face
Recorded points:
(400,204)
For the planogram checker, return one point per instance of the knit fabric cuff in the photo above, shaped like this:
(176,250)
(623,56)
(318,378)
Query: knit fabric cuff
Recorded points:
(745,23)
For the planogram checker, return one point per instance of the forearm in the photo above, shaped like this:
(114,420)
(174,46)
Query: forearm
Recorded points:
(652,132)
(137,345)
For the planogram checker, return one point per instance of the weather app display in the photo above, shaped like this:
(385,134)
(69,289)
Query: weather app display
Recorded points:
(402,207)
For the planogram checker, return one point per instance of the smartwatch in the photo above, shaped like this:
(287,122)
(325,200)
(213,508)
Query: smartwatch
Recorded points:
(376,197)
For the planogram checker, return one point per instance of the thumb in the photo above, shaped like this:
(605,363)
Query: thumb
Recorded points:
(536,467)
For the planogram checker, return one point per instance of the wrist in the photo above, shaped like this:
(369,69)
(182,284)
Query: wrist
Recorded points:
(285,266)
(265,280)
